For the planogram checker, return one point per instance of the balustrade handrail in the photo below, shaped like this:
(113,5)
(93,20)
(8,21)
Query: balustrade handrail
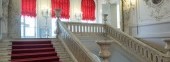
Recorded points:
(77,27)
(138,47)
(138,41)
(83,23)
(78,50)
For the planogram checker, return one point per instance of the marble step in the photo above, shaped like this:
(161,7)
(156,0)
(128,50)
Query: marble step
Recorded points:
(65,57)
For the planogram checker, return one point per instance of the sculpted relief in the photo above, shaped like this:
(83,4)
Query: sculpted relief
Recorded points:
(126,15)
(158,9)
(156,1)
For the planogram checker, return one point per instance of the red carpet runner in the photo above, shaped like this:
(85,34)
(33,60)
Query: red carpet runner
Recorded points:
(33,51)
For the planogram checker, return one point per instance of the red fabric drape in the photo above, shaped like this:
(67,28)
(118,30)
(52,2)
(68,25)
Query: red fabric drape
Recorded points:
(88,9)
(62,4)
(29,8)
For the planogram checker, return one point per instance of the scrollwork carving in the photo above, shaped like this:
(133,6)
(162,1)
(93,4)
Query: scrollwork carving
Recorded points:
(156,1)
(1,10)
(158,8)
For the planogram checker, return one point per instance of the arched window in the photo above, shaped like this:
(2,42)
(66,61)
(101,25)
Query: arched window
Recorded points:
(62,4)
(29,8)
(28,18)
(88,10)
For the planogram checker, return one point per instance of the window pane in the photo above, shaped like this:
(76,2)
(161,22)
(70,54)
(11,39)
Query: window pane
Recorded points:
(28,27)
(29,31)
(53,23)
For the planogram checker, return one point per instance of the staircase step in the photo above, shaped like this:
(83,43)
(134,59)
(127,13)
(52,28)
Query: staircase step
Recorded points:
(30,42)
(33,55)
(64,56)
(39,59)
(32,50)
(32,46)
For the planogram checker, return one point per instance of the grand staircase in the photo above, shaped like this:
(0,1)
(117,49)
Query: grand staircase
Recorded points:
(73,46)
(33,50)
(136,48)
(5,51)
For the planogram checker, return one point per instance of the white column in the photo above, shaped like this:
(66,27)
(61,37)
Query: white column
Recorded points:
(4,18)
(14,19)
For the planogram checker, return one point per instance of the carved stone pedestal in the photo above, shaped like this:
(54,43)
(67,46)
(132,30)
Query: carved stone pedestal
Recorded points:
(104,49)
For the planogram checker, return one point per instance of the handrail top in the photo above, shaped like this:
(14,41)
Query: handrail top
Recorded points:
(83,23)
(166,40)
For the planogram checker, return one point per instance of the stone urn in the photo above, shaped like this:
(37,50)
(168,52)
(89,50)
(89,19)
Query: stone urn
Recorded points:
(104,49)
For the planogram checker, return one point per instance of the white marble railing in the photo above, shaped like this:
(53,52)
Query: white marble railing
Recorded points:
(138,47)
(74,44)
(5,51)
(77,27)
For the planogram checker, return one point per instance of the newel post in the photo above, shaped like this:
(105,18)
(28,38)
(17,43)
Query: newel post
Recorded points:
(105,20)
(167,47)
(58,14)
(104,49)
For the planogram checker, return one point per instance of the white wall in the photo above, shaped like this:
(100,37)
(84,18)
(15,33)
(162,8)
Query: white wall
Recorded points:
(153,20)
(43,6)
(112,10)
(75,10)
(113,16)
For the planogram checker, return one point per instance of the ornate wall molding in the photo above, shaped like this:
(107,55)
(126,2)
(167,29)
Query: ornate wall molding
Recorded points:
(154,3)
(159,9)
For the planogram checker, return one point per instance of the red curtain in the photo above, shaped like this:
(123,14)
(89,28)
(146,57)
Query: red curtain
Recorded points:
(29,8)
(88,9)
(62,4)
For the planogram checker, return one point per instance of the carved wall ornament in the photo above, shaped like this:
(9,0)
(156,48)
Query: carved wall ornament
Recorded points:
(159,9)
(154,3)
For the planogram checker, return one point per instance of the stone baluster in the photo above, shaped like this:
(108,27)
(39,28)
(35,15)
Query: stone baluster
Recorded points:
(167,46)
(104,49)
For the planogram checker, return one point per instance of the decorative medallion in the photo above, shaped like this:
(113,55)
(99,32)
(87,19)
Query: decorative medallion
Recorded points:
(156,1)
(157,8)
